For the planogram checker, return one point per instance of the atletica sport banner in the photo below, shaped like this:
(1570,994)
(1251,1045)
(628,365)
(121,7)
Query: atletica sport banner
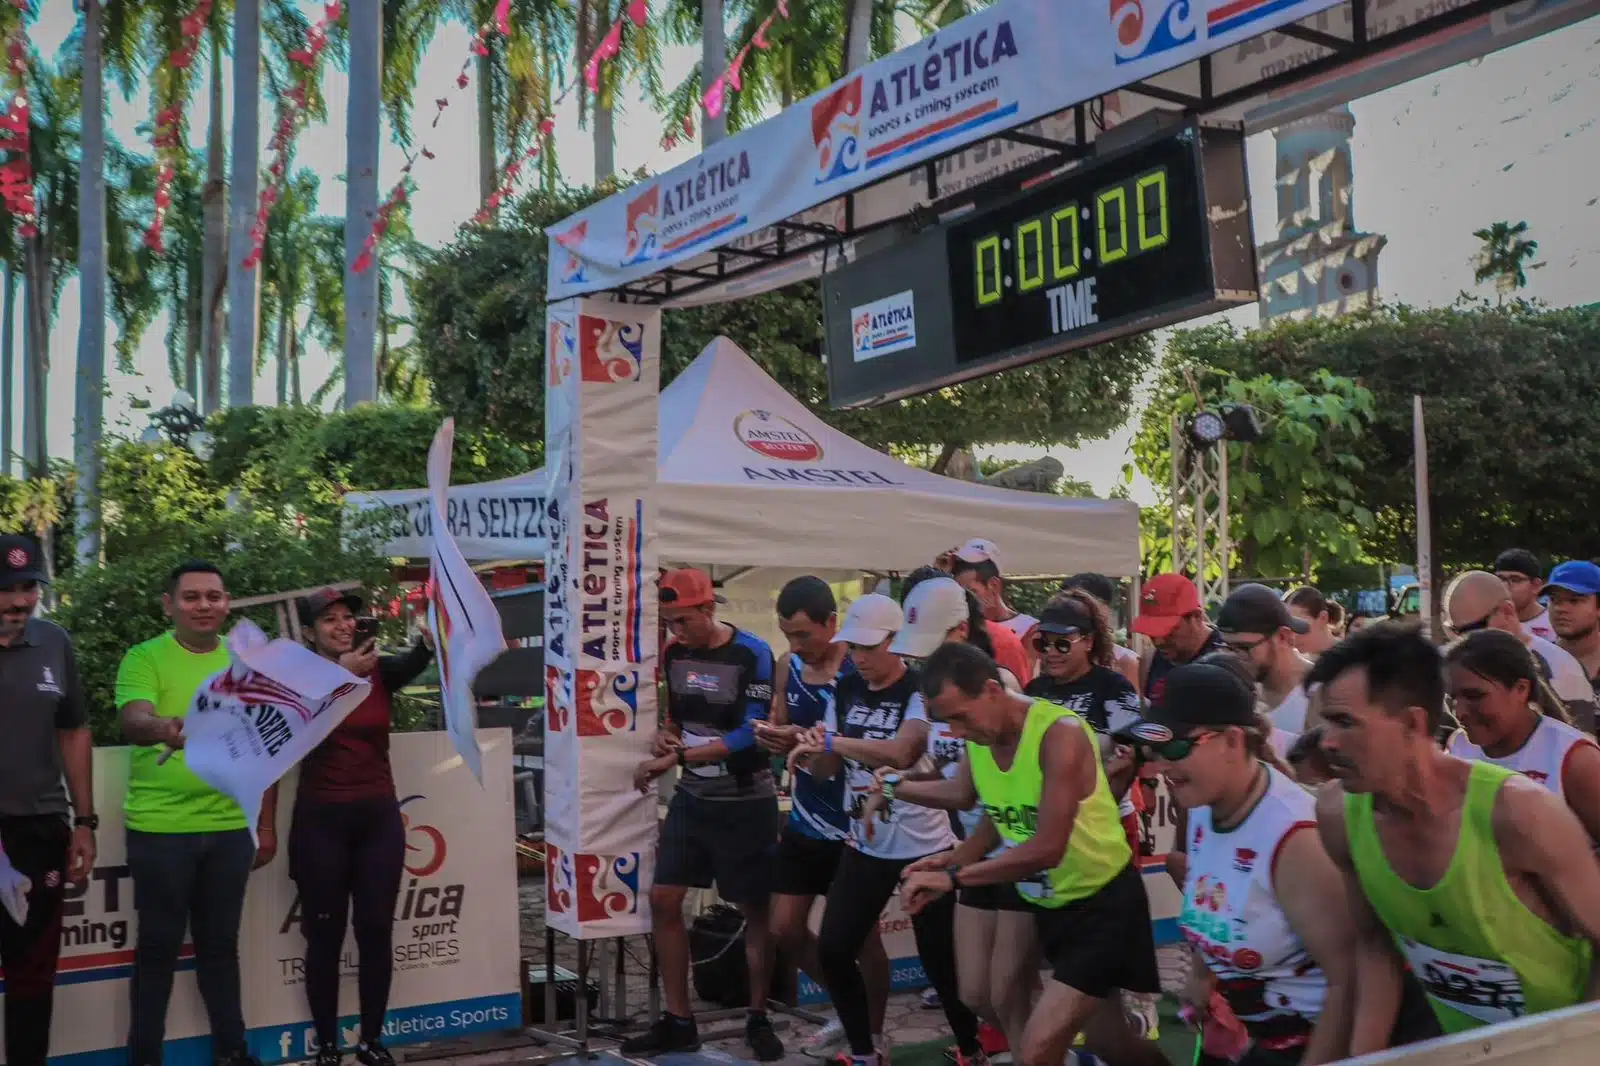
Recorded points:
(1008,65)
(253,722)
(600,639)
(456,936)
(465,624)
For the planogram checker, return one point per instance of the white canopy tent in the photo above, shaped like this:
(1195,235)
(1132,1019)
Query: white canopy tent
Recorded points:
(748,476)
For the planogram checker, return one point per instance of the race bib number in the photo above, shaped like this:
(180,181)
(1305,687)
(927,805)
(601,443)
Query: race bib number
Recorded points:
(1036,887)
(1479,988)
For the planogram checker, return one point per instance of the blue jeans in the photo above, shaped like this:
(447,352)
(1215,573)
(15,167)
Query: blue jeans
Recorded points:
(195,881)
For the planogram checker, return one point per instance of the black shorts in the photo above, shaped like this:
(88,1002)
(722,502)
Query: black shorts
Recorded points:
(729,843)
(805,864)
(1103,942)
(994,898)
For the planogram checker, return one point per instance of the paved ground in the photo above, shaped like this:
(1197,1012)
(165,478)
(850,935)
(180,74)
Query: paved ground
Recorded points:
(907,1022)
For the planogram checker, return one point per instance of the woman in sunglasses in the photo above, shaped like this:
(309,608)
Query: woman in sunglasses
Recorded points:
(1263,907)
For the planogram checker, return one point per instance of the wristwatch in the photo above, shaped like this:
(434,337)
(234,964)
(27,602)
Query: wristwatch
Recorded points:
(90,822)
(889,784)
(954,873)
(683,758)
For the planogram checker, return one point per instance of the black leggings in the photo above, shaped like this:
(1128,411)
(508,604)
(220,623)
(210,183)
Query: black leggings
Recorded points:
(861,887)
(347,860)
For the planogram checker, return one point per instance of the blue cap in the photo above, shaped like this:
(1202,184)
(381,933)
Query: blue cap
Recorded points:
(1576,576)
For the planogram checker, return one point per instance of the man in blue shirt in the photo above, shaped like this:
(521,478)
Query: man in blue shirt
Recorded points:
(813,837)
(722,822)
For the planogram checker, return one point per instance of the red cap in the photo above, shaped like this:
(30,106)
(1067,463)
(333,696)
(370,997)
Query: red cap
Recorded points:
(1163,602)
(688,588)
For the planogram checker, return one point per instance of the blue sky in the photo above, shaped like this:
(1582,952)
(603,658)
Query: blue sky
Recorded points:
(1512,136)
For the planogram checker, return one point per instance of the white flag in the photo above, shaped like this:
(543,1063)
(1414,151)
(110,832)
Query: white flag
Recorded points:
(465,623)
(250,724)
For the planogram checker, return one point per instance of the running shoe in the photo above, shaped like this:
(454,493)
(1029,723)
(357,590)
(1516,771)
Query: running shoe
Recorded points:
(764,1043)
(372,1053)
(976,1058)
(826,1042)
(930,999)
(669,1033)
(329,1056)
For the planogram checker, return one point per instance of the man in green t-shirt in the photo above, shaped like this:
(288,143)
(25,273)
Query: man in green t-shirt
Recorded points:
(189,847)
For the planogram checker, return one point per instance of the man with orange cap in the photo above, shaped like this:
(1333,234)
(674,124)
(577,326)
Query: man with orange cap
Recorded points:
(1171,615)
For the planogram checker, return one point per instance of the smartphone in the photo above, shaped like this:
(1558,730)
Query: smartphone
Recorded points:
(366,632)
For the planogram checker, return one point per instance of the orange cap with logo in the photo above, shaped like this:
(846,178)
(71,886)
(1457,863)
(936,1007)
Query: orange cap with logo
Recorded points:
(1163,603)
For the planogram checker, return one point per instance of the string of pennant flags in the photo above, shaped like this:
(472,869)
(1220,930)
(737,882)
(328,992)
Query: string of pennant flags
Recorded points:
(15,179)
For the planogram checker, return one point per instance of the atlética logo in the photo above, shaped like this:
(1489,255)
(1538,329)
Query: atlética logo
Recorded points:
(572,269)
(644,222)
(1145,28)
(610,352)
(836,131)
(606,707)
(425,847)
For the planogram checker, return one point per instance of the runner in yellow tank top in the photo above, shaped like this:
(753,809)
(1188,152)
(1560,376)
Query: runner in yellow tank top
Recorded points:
(1036,767)
(1482,880)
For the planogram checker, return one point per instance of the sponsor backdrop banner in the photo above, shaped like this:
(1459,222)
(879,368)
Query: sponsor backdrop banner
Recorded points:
(456,943)
(1006,66)
(600,639)
(492,520)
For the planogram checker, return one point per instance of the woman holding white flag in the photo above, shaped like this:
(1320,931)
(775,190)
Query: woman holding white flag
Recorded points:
(347,843)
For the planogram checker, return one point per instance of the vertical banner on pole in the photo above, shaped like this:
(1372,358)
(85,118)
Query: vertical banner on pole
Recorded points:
(601,430)
(1419,434)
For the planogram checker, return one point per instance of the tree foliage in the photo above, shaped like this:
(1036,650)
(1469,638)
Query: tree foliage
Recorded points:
(479,314)
(1510,394)
(1295,490)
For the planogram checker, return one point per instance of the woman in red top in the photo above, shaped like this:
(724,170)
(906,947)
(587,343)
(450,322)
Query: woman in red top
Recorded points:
(347,844)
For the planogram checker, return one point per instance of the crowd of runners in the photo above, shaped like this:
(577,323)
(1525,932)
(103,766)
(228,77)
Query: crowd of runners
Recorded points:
(1381,839)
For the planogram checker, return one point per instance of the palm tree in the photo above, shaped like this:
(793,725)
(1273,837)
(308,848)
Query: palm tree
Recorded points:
(244,280)
(302,268)
(89,391)
(7,367)
(1503,255)
(362,146)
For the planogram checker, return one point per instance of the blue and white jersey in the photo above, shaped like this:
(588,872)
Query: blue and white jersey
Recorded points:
(817,807)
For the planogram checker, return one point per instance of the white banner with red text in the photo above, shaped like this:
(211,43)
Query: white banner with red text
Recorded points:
(456,936)
(600,641)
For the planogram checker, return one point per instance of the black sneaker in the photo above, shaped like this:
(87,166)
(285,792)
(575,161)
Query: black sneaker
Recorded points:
(329,1056)
(669,1033)
(239,1058)
(372,1053)
(764,1043)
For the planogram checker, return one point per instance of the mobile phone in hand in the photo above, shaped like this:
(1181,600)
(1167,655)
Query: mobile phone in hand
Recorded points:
(366,632)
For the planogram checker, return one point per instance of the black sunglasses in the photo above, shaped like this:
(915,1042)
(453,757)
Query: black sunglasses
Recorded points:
(1175,750)
(1058,642)
(1472,627)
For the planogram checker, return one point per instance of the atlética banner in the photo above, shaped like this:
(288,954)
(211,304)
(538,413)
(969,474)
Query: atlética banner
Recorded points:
(251,723)
(465,623)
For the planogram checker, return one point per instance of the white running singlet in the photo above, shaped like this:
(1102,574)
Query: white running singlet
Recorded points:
(1542,759)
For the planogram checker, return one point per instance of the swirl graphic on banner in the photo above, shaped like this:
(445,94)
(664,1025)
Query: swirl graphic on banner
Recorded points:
(607,886)
(610,352)
(1141,35)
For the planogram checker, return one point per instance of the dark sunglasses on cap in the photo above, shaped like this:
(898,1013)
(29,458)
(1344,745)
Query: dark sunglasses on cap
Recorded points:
(1472,627)
(1057,642)
(1175,750)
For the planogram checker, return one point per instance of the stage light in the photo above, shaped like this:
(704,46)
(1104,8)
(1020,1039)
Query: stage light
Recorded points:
(1206,428)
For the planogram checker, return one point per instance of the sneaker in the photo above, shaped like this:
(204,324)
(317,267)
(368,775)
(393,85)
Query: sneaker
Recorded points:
(372,1053)
(764,1043)
(976,1058)
(669,1033)
(239,1058)
(930,999)
(329,1056)
(880,1044)
(825,1042)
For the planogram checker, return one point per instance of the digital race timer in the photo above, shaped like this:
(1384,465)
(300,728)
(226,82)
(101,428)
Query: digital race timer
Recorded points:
(1152,229)
(1110,242)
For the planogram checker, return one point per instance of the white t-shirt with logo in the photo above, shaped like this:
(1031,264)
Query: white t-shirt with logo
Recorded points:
(1543,759)
(1539,625)
(1231,914)
(906,831)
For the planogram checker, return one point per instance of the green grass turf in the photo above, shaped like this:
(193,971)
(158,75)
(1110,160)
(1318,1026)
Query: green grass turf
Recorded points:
(1176,1040)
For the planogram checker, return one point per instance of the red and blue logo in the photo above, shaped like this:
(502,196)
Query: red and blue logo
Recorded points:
(1228,17)
(836,132)
(572,266)
(610,352)
(557,700)
(607,707)
(561,349)
(644,225)
(425,846)
(608,886)
(560,882)
(1145,28)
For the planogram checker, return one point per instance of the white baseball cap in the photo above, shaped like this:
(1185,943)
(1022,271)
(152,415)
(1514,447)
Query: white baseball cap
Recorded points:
(870,621)
(978,550)
(934,608)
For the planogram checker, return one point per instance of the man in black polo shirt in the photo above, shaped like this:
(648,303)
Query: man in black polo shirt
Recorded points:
(46,737)
(722,822)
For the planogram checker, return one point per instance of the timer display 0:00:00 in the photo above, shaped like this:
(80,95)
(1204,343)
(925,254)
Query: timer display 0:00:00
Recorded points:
(1065,259)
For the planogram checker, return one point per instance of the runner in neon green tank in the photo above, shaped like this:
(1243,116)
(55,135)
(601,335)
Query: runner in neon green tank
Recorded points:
(1511,911)
(1036,767)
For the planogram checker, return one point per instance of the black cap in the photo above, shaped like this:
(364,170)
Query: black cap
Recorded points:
(1256,609)
(1097,585)
(1196,696)
(320,600)
(20,561)
(1518,561)
(1066,618)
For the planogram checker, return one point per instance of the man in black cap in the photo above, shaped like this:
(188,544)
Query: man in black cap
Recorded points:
(1256,623)
(47,739)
